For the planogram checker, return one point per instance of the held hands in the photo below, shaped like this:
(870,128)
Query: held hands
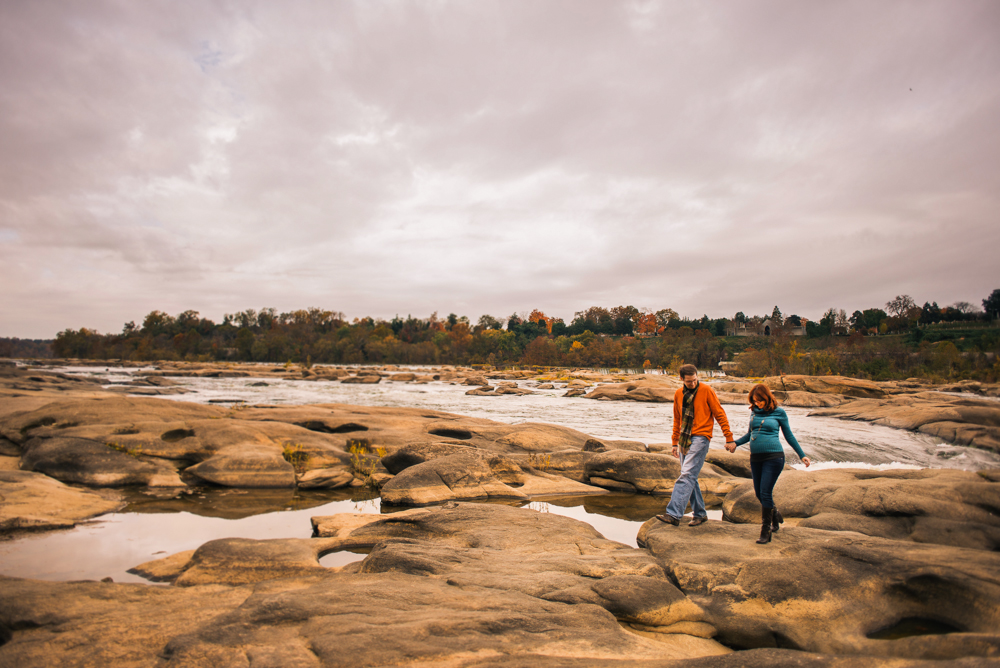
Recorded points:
(731,446)
(805,460)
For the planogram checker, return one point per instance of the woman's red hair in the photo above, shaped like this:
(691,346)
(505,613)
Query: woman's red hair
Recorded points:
(762,393)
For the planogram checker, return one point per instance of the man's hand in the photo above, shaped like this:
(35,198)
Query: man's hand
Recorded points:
(673,451)
(731,446)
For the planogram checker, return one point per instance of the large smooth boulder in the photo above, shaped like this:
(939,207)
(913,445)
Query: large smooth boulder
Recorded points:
(235,561)
(652,473)
(472,475)
(33,501)
(823,591)
(943,506)
(418,453)
(94,463)
(656,389)
(362,380)
(245,466)
(842,385)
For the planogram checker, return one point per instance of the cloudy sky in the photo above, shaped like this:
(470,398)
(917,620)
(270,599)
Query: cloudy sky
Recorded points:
(480,157)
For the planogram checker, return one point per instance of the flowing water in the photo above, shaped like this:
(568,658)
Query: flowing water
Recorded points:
(150,527)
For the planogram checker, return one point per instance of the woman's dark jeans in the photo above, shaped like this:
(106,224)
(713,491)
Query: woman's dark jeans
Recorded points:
(765,475)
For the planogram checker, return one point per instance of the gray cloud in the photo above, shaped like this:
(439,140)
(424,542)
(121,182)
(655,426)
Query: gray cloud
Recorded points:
(381,158)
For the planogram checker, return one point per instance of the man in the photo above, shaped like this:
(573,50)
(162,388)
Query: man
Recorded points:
(696,406)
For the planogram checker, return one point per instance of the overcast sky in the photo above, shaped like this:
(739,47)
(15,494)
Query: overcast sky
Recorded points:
(481,157)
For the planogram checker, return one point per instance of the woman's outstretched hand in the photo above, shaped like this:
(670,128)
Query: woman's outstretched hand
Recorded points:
(731,446)
(805,460)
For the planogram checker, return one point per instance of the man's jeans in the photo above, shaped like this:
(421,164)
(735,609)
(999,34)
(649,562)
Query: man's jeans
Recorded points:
(686,488)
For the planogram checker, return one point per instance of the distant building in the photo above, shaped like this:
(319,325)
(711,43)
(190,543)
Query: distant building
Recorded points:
(765,328)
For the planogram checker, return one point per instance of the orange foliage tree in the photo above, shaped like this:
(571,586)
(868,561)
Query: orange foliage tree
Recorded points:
(538,316)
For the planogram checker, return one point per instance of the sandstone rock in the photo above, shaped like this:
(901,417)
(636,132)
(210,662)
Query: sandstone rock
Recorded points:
(324,479)
(120,625)
(776,594)
(509,389)
(594,445)
(536,483)
(848,387)
(569,464)
(647,388)
(167,569)
(546,386)
(476,380)
(482,392)
(576,392)
(734,463)
(973,422)
(403,377)
(34,501)
(731,387)
(807,399)
(245,466)
(94,463)
(8,448)
(393,428)
(941,506)
(650,473)
(365,380)
(471,475)
(537,554)
(418,453)
(236,561)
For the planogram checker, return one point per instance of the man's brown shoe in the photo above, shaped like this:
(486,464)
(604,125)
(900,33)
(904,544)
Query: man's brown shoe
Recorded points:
(669,519)
(698,521)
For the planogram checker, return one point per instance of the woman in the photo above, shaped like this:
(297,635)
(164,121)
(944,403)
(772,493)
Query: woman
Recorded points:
(767,458)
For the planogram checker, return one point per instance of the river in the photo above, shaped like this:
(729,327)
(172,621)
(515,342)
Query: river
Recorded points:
(150,527)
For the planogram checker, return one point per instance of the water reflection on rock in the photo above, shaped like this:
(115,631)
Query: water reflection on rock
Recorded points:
(237,504)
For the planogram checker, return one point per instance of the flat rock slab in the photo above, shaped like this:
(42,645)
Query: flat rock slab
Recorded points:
(35,501)
(960,420)
(824,591)
(550,557)
(655,389)
(943,506)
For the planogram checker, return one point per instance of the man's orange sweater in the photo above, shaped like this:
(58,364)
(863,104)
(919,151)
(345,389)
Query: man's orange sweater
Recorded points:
(706,407)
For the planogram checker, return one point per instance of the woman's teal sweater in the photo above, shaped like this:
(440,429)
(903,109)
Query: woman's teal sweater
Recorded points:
(763,432)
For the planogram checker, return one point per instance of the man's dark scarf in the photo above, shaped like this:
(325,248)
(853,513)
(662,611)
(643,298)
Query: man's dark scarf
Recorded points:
(687,418)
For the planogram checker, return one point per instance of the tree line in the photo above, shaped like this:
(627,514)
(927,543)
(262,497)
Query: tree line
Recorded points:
(618,337)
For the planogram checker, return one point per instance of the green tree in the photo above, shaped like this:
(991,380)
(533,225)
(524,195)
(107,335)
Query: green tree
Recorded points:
(900,306)
(776,316)
(992,304)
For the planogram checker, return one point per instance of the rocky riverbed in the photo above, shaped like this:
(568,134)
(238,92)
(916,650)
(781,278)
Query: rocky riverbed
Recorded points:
(872,567)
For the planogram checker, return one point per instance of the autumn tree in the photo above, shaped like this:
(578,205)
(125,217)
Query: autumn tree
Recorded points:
(538,316)
(647,325)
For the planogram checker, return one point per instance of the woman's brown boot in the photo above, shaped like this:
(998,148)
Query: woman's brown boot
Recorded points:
(765,526)
(776,520)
